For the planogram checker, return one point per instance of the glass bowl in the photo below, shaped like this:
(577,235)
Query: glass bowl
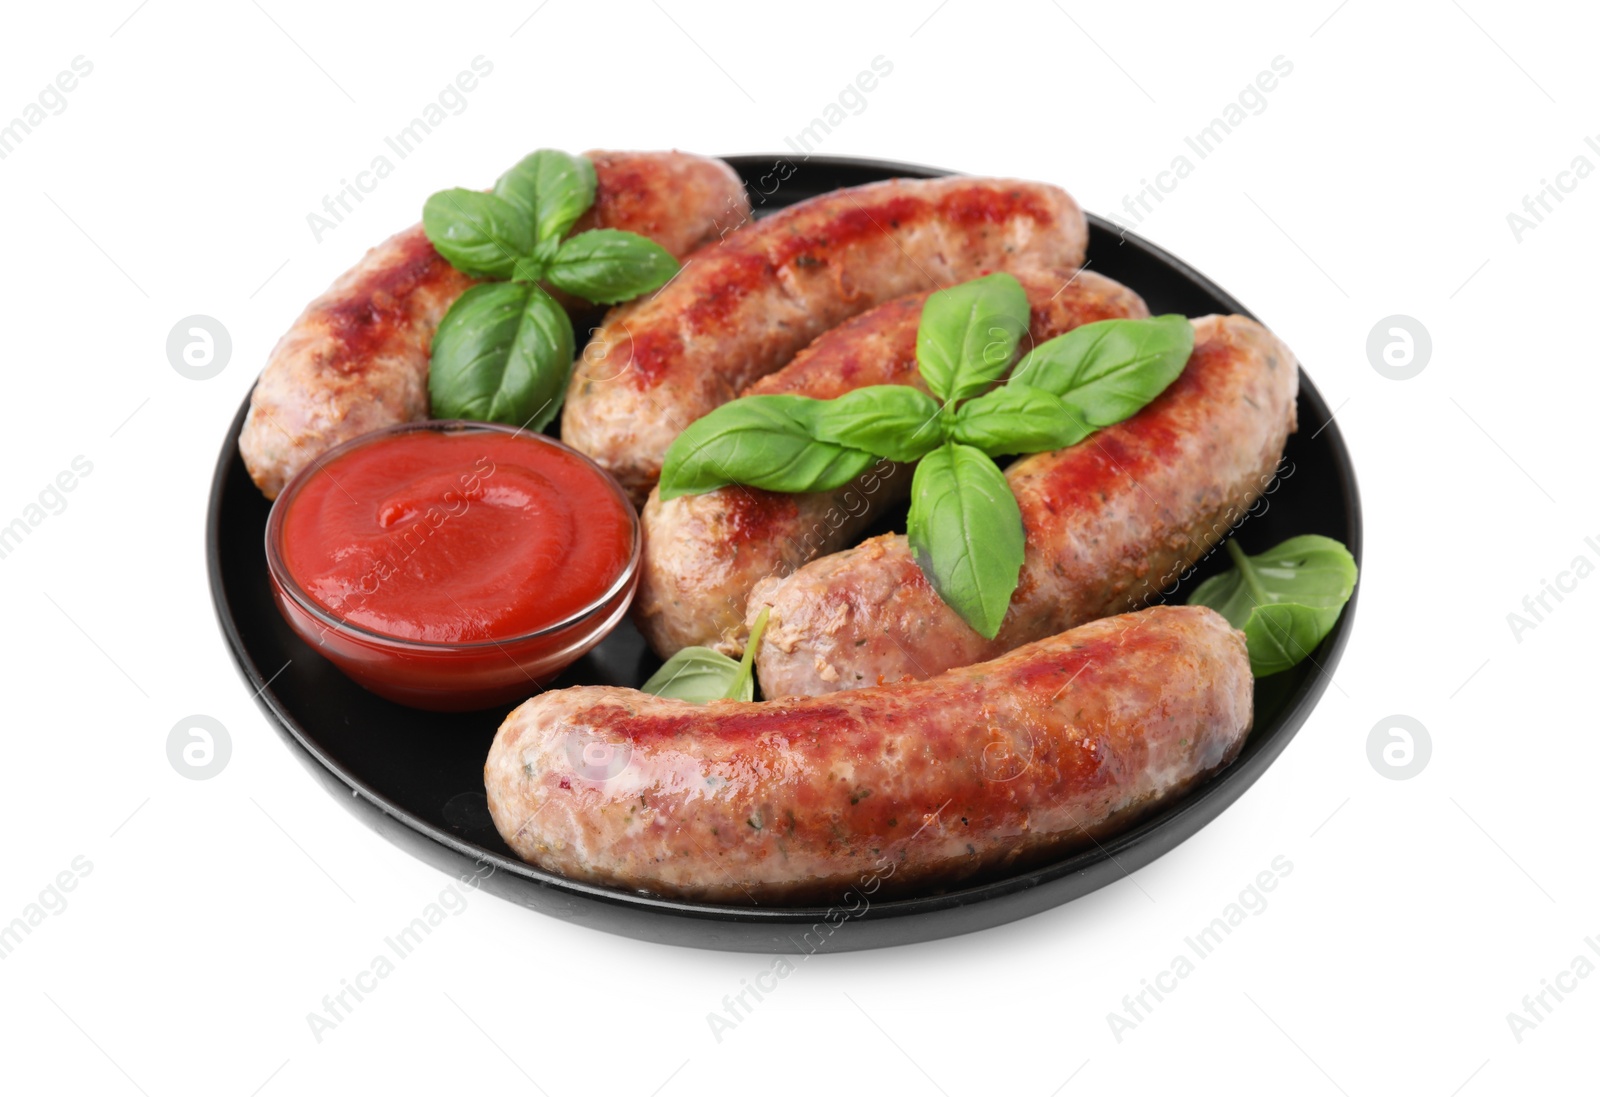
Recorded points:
(447,676)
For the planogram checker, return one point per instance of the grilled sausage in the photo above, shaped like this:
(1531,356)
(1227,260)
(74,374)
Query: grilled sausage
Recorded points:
(704,553)
(883,791)
(743,308)
(1110,522)
(357,358)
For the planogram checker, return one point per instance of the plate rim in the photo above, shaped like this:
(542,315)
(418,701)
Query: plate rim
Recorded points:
(1230,782)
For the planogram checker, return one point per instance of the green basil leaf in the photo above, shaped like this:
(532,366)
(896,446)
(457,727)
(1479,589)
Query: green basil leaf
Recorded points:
(1109,369)
(764,441)
(502,354)
(552,189)
(609,265)
(893,421)
(744,686)
(1018,419)
(695,674)
(966,533)
(1280,635)
(479,234)
(1284,600)
(700,674)
(968,335)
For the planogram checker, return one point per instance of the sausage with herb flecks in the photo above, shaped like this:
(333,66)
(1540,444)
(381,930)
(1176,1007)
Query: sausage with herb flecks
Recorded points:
(912,787)
(357,359)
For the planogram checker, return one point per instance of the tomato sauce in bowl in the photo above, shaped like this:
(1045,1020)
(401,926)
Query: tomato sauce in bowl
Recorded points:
(453,565)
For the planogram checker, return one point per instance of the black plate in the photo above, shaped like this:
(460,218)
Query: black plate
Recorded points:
(417,777)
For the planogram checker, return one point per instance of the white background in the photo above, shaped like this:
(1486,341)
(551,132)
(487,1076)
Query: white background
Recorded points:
(1378,180)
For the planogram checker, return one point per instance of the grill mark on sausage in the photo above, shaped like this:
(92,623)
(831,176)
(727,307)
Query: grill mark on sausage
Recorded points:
(1134,447)
(622,187)
(376,312)
(836,360)
(847,226)
(755,515)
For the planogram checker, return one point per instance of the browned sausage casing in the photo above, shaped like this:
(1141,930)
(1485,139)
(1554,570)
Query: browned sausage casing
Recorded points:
(703,554)
(741,309)
(880,791)
(1110,523)
(357,358)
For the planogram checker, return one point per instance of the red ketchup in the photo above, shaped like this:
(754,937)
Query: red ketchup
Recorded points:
(453,566)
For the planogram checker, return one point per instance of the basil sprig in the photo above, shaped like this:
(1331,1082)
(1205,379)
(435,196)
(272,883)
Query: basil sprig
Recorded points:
(964,526)
(699,674)
(504,351)
(1284,600)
